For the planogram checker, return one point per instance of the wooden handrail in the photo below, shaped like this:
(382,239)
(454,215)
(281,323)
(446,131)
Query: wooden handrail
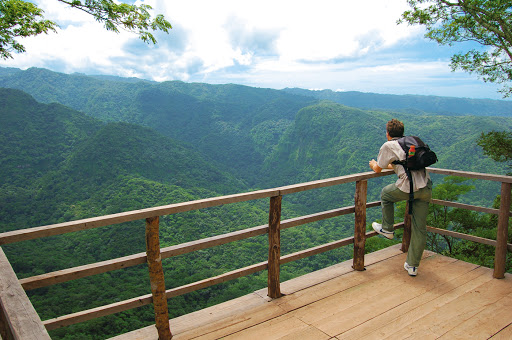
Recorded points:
(466,206)
(469,174)
(101,221)
(95,222)
(273,230)
(466,237)
(74,273)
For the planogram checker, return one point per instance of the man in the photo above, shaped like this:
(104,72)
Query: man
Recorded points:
(399,191)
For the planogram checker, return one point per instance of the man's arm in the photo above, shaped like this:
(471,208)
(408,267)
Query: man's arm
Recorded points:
(375,167)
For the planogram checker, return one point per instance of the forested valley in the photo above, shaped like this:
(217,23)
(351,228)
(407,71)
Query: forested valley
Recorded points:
(76,146)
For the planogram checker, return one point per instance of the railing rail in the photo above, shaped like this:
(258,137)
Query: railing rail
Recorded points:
(154,253)
(74,273)
(500,255)
(95,222)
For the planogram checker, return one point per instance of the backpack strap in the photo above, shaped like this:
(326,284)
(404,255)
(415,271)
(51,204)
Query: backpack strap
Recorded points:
(411,186)
(401,142)
(411,189)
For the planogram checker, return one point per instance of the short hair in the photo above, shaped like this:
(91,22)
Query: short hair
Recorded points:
(395,128)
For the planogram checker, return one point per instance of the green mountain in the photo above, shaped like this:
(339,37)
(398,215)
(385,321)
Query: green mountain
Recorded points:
(228,123)
(35,138)
(51,151)
(328,140)
(235,127)
(413,103)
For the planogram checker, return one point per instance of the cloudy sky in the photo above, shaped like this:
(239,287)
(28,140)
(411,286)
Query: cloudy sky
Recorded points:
(342,45)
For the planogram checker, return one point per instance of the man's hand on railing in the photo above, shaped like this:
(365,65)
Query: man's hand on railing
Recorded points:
(374,166)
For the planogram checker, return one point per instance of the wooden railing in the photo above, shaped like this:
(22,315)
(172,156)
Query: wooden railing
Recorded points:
(13,299)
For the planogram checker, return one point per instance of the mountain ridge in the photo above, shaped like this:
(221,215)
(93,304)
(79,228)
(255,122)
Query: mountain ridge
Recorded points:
(408,102)
(17,78)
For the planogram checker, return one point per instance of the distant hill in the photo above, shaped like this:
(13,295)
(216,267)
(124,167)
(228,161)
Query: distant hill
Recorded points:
(48,86)
(36,138)
(239,129)
(415,104)
(51,154)
(116,78)
(329,139)
(228,124)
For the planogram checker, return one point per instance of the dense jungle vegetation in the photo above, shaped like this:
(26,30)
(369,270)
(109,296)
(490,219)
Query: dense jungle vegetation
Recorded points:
(75,146)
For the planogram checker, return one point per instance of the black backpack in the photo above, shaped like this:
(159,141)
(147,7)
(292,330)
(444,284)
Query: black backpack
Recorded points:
(418,159)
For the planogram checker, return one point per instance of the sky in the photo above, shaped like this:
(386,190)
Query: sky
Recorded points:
(341,45)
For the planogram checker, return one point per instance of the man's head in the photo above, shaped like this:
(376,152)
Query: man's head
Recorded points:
(395,128)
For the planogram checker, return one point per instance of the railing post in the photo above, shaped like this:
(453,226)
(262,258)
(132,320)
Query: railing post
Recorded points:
(360,224)
(18,318)
(5,332)
(156,278)
(500,255)
(274,247)
(406,238)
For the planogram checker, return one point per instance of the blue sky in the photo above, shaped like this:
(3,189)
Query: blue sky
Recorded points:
(326,44)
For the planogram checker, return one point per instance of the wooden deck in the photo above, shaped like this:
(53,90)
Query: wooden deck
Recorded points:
(449,299)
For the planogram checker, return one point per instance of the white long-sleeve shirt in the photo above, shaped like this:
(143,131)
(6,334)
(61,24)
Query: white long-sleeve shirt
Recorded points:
(392,151)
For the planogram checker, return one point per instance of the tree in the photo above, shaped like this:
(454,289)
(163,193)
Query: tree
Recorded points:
(19,18)
(443,217)
(460,220)
(497,145)
(487,22)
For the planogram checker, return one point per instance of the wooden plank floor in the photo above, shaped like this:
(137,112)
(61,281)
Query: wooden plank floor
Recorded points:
(449,299)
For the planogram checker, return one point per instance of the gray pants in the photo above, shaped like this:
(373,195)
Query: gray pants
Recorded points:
(391,194)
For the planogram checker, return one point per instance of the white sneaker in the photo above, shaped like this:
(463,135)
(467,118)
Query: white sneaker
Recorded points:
(378,228)
(413,271)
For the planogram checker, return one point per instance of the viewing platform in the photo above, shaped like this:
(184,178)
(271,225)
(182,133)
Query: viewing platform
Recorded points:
(370,296)
(448,299)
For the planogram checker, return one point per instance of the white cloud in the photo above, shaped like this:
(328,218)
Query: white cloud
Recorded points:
(308,31)
(75,47)
(340,29)
(302,31)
